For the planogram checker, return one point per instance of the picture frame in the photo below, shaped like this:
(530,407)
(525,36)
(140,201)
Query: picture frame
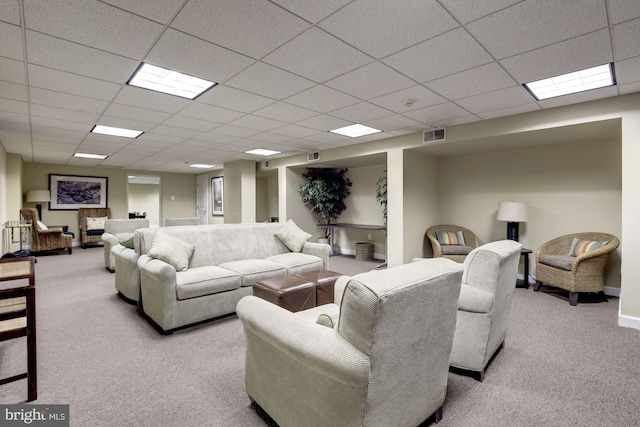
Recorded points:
(217,196)
(72,192)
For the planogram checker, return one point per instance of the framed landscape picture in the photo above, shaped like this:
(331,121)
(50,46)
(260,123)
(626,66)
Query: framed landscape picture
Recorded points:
(217,197)
(70,192)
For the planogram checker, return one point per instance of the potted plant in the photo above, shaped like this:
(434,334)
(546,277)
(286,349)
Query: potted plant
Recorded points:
(381,195)
(324,192)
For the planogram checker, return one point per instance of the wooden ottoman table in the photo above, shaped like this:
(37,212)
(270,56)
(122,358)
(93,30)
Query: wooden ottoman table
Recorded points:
(291,292)
(325,281)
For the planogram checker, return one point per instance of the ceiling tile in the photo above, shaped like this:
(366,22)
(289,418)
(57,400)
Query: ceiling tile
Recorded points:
(626,36)
(73,84)
(312,10)
(533,24)
(497,99)
(395,101)
(181,52)
(12,71)
(174,131)
(628,71)
(380,27)
(454,121)
(294,131)
(370,81)
(568,56)
(257,123)
(269,81)
(361,112)
(93,24)
(59,124)
(436,113)
(510,111)
(143,98)
(397,121)
(482,79)
(235,131)
(11,46)
(214,138)
(141,114)
(10,11)
(234,99)
(270,138)
(164,141)
(78,59)
(447,54)
(629,88)
(64,114)
(623,10)
(157,10)
(16,92)
(69,102)
(208,112)
(324,138)
(324,123)
(190,123)
(317,56)
(13,106)
(322,99)
(251,27)
(469,10)
(285,112)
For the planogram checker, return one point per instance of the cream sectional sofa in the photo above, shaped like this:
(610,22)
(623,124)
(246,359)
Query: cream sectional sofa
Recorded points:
(225,262)
(117,231)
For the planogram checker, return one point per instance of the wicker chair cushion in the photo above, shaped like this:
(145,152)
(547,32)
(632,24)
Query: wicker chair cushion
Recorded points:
(456,249)
(41,226)
(563,262)
(580,246)
(450,238)
(96,223)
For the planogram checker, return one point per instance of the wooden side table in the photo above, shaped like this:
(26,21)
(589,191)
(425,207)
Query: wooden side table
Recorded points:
(524,283)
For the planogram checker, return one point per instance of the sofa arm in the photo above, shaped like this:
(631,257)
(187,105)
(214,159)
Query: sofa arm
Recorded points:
(321,250)
(159,270)
(317,347)
(475,300)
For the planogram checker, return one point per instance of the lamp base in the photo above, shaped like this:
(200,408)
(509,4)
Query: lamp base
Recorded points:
(513,231)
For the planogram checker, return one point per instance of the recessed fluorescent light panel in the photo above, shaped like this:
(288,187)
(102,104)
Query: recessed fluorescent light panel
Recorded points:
(578,81)
(355,131)
(262,152)
(90,156)
(166,81)
(108,130)
(202,166)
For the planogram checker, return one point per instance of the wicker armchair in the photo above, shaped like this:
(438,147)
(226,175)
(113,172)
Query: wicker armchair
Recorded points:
(46,239)
(582,273)
(457,253)
(91,236)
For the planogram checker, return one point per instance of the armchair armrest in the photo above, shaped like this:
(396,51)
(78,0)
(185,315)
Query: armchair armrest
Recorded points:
(319,348)
(475,300)
(321,250)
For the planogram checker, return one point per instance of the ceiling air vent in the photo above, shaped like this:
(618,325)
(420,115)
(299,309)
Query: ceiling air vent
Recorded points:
(312,157)
(434,135)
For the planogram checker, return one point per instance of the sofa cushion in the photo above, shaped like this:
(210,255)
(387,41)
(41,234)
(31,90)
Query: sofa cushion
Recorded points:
(296,262)
(200,281)
(292,236)
(254,270)
(558,261)
(580,246)
(96,223)
(456,249)
(450,237)
(171,250)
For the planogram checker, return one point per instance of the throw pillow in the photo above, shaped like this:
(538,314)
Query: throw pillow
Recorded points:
(127,243)
(450,237)
(96,223)
(580,246)
(292,236)
(171,250)
(41,226)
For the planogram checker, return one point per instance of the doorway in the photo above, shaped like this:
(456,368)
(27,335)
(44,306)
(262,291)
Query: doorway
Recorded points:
(143,198)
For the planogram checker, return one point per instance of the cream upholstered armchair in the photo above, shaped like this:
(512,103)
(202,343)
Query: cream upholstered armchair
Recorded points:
(92,224)
(575,263)
(488,284)
(118,231)
(451,241)
(45,238)
(384,363)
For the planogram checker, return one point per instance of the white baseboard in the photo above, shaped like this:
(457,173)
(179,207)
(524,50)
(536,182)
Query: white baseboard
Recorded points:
(611,291)
(628,321)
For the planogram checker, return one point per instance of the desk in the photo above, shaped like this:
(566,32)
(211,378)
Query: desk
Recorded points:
(524,283)
(356,227)
(24,230)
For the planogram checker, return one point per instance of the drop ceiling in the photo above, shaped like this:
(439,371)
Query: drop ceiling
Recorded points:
(288,71)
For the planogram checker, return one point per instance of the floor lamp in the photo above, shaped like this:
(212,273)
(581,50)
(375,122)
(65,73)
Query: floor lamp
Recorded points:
(38,196)
(513,213)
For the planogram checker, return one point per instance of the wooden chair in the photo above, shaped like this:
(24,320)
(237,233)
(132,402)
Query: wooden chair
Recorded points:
(583,273)
(18,316)
(456,253)
(91,236)
(46,239)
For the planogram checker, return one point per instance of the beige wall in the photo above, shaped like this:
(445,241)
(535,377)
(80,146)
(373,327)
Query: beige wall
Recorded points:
(178,192)
(145,198)
(240,192)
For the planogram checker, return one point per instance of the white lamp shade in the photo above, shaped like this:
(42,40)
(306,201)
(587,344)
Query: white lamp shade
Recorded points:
(513,212)
(35,196)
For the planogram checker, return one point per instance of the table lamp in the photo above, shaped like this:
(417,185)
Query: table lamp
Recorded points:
(513,213)
(37,196)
